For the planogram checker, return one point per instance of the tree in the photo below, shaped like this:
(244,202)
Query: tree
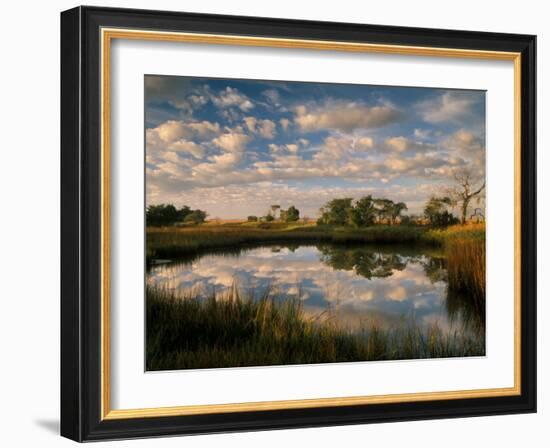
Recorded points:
(384,209)
(406,220)
(252,218)
(338,211)
(196,217)
(464,191)
(363,213)
(269,217)
(161,215)
(292,214)
(168,215)
(323,219)
(183,213)
(436,211)
(396,210)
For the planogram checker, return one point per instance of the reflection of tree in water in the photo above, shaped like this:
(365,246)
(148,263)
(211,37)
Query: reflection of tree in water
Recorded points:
(435,268)
(366,263)
(371,263)
(375,263)
(460,307)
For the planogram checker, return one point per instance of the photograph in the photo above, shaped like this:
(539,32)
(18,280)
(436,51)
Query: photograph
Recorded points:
(274,222)
(291,222)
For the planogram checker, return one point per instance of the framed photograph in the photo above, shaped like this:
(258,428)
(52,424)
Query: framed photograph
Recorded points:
(276,224)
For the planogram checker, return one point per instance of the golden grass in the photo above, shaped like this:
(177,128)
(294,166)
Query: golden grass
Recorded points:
(189,332)
(466,266)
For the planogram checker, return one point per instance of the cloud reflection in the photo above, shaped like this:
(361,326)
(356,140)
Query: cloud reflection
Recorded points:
(393,288)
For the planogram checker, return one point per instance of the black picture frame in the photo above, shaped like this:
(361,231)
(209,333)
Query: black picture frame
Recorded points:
(81,226)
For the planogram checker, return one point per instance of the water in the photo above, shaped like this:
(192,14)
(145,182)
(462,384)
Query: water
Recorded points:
(350,284)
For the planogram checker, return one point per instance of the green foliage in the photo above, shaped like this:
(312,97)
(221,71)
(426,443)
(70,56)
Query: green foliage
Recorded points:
(398,207)
(363,213)
(337,212)
(436,211)
(387,210)
(269,218)
(196,217)
(383,209)
(368,264)
(168,214)
(252,218)
(291,215)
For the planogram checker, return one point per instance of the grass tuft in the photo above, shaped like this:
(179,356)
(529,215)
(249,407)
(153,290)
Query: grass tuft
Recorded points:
(235,331)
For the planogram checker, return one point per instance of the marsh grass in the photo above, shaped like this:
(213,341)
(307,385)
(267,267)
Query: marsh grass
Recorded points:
(464,249)
(170,242)
(232,330)
(242,329)
(466,266)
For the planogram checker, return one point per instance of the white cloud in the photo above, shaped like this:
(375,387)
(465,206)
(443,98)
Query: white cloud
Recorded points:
(232,97)
(174,137)
(398,144)
(250,123)
(198,100)
(264,128)
(226,160)
(344,117)
(285,122)
(364,144)
(449,106)
(205,128)
(290,147)
(171,131)
(188,147)
(422,133)
(232,141)
(273,96)
(267,129)
(334,148)
(469,146)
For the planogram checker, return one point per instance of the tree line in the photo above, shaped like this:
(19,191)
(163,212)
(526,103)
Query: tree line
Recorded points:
(363,212)
(291,214)
(367,211)
(168,215)
(437,210)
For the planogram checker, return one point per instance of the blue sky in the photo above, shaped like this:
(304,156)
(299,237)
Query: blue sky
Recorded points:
(234,147)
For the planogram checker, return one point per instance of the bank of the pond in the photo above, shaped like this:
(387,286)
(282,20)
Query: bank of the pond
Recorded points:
(186,332)
(463,245)
(170,242)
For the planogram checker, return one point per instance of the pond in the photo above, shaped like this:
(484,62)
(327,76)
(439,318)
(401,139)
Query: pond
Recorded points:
(348,284)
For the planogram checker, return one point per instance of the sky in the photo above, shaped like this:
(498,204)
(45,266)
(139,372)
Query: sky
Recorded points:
(234,147)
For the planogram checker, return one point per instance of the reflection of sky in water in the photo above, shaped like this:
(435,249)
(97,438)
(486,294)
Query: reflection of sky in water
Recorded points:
(406,292)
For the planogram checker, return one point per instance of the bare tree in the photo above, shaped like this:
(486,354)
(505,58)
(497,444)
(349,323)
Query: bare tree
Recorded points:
(464,191)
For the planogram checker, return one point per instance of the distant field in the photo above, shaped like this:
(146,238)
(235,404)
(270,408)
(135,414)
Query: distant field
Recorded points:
(169,242)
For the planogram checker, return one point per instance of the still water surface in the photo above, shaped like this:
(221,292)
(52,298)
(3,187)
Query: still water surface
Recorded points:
(350,284)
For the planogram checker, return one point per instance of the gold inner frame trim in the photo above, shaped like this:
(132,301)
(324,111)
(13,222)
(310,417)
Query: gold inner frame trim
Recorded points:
(107,35)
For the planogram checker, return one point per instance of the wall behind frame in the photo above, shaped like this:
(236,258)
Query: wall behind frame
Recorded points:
(29,236)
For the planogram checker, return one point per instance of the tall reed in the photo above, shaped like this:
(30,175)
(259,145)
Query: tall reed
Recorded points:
(235,330)
(466,266)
